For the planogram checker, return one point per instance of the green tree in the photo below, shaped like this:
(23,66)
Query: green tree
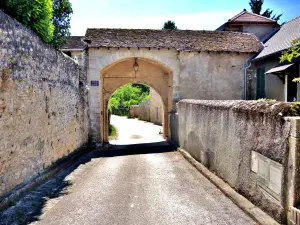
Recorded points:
(126,96)
(256,7)
(291,54)
(35,14)
(62,10)
(170,25)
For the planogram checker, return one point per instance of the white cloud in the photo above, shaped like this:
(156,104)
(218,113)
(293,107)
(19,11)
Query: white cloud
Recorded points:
(200,21)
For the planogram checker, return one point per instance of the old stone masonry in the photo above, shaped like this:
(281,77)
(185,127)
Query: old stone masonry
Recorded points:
(56,163)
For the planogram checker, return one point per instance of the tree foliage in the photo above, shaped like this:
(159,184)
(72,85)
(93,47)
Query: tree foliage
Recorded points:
(126,96)
(49,19)
(291,54)
(256,7)
(170,25)
(35,14)
(62,10)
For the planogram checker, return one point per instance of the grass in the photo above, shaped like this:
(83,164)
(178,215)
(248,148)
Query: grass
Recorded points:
(112,131)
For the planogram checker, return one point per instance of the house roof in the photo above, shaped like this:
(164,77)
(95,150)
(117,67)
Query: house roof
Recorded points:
(282,39)
(75,42)
(250,17)
(181,40)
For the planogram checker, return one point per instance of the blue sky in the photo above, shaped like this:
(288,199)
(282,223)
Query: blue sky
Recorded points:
(188,14)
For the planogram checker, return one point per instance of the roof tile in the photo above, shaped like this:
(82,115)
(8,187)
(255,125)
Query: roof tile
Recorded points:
(181,40)
(282,39)
(75,42)
(249,17)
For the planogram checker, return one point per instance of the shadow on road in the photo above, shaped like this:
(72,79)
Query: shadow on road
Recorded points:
(133,149)
(29,208)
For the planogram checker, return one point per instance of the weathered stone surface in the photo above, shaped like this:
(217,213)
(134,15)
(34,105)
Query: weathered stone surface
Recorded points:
(194,76)
(152,109)
(43,105)
(222,135)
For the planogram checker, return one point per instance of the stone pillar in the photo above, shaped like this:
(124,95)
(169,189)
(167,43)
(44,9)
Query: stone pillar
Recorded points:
(293,176)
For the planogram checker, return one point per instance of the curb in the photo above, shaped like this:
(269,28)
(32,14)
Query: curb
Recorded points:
(253,211)
(21,190)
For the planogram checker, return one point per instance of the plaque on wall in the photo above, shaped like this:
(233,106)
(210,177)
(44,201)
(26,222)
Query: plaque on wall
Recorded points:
(94,83)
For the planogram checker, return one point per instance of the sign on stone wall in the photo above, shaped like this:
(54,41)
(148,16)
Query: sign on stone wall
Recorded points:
(94,83)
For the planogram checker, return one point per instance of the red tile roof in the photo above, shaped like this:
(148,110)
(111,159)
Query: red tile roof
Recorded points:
(249,17)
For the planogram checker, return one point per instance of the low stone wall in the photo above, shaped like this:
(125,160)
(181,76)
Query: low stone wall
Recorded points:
(43,105)
(249,144)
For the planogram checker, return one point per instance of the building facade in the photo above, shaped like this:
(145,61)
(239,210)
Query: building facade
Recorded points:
(274,80)
(177,64)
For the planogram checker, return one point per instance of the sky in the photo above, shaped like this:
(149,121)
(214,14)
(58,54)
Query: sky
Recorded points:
(151,14)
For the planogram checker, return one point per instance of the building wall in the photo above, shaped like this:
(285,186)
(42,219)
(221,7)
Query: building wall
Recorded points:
(274,85)
(195,75)
(79,57)
(152,109)
(134,111)
(210,76)
(43,105)
(260,31)
(246,144)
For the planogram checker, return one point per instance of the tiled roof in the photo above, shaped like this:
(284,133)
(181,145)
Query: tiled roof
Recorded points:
(181,40)
(75,42)
(249,17)
(282,39)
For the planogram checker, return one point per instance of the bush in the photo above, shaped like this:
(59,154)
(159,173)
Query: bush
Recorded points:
(112,131)
(35,14)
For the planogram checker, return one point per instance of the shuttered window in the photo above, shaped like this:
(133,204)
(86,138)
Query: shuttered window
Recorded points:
(260,83)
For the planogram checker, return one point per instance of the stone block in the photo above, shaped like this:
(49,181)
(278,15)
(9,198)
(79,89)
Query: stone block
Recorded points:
(295,126)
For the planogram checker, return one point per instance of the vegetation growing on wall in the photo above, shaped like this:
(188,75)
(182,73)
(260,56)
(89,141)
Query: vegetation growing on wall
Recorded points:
(50,20)
(126,96)
(35,14)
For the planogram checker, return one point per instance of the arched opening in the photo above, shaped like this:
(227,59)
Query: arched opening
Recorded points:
(135,71)
(135,113)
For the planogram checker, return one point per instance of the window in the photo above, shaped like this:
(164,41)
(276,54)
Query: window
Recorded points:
(260,83)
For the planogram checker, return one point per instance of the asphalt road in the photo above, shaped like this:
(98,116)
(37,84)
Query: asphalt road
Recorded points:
(140,186)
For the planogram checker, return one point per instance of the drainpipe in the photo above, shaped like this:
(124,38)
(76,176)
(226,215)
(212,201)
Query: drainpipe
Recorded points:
(246,66)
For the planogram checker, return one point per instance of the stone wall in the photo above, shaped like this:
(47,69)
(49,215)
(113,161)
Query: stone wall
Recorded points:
(195,75)
(134,111)
(246,143)
(43,105)
(152,110)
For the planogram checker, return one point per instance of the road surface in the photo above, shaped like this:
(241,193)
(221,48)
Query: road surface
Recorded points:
(126,185)
(133,131)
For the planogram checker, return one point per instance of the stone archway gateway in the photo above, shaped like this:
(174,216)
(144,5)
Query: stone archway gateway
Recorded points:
(135,70)
(178,64)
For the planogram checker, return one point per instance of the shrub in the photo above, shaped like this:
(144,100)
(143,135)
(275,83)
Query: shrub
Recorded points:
(35,14)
